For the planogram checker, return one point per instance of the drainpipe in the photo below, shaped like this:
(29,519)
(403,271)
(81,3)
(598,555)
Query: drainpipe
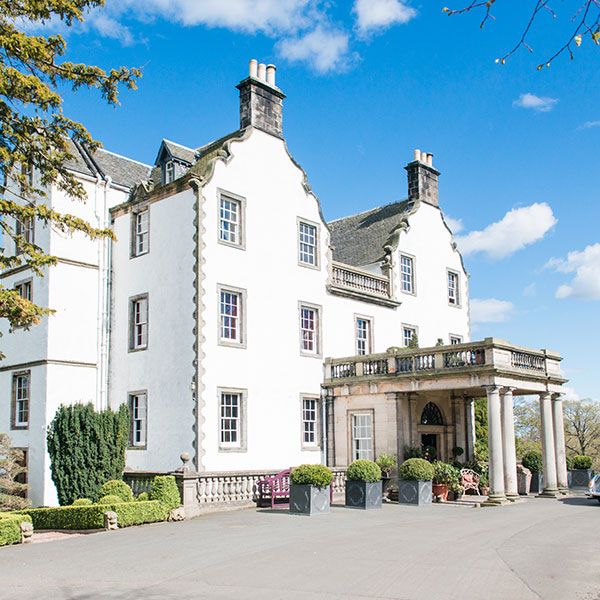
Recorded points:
(324,439)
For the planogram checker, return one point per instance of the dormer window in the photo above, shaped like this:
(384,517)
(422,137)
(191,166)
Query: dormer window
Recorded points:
(169,175)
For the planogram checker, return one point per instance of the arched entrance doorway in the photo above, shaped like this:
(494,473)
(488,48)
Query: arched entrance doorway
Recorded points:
(432,428)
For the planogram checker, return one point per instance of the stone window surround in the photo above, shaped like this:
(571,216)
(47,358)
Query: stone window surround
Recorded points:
(350,413)
(130,445)
(132,299)
(241,200)
(408,326)
(13,406)
(20,283)
(455,336)
(242,293)
(316,447)
(317,265)
(133,253)
(243,419)
(414,273)
(29,225)
(458,303)
(318,329)
(371,338)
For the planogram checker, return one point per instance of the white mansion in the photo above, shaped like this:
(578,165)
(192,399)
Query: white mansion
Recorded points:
(213,313)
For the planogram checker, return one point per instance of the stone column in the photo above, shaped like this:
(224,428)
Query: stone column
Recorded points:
(509,452)
(548,448)
(559,444)
(470,428)
(496,462)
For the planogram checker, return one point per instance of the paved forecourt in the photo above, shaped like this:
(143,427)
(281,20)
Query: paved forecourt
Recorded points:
(537,549)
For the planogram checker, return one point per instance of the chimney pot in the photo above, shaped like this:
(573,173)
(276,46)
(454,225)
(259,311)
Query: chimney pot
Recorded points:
(430,159)
(271,74)
(417,155)
(253,68)
(262,71)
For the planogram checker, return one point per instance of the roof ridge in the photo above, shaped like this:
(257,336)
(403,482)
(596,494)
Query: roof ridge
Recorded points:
(180,145)
(364,212)
(139,162)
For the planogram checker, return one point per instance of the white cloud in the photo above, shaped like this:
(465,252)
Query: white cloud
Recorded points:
(456,225)
(570,393)
(586,267)
(373,15)
(518,228)
(590,125)
(324,49)
(537,103)
(108,27)
(490,310)
(530,290)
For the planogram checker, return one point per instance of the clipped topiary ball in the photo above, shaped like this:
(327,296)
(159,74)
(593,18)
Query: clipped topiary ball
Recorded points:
(164,489)
(115,487)
(142,497)
(364,470)
(416,469)
(82,502)
(110,499)
(318,475)
(582,461)
(533,461)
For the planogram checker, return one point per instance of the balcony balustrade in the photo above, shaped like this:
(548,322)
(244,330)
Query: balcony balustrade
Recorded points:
(350,281)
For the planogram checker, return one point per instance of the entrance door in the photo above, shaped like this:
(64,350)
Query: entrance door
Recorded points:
(429,445)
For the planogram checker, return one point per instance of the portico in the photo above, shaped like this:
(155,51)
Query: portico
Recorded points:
(425,397)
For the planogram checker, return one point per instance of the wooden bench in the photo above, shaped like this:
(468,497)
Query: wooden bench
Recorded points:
(273,487)
(470,480)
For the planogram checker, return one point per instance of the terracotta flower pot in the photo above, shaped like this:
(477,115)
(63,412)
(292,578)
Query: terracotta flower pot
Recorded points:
(440,490)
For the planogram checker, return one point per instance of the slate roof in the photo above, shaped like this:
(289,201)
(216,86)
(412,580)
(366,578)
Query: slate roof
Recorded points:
(180,152)
(358,240)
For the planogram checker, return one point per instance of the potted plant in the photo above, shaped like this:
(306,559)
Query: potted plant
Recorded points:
(443,477)
(484,484)
(533,461)
(456,491)
(363,485)
(387,463)
(581,473)
(309,489)
(414,485)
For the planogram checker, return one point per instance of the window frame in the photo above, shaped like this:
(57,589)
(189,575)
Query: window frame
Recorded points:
(317,353)
(351,439)
(169,164)
(131,443)
(14,424)
(317,264)
(241,445)
(132,333)
(413,278)
(241,202)
(134,253)
(369,339)
(241,342)
(23,282)
(457,290)
(308,446)
(413,328)
(458,338)
(26,229)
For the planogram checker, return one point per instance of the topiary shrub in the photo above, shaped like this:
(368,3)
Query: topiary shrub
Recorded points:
(387,463)
(582,461)
(416,469)
(318,475)
(364,470)
(533,461)
(82,502)
(143,497)
(116,487)
(10,528)
(164,489)
(445,474)
(110,499)
(569,463)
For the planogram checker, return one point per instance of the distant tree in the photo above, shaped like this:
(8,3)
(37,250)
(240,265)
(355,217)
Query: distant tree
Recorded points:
(582,427)
(87,449)
(34,134)
(527,426)
(12,492)
(585,15)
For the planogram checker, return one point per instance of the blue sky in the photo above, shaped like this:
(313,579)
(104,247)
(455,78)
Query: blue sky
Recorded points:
(367,82)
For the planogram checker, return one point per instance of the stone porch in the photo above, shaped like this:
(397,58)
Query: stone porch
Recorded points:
(412,397)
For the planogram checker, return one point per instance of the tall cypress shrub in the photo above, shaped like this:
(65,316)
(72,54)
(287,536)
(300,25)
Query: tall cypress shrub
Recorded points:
(86,448)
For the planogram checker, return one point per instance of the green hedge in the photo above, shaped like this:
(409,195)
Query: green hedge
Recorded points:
(116,487)
(164,489)
(92,517)
(10,528)
(318,475)
(364,470)
(582,461)
(416,469)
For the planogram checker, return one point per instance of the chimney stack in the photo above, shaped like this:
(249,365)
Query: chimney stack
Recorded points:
(423,179)
(261,101)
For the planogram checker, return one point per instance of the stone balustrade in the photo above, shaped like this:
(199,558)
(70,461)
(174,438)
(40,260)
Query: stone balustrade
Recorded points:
(356,283)
(488,354)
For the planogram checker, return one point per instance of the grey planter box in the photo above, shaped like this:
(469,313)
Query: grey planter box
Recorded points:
(537,483)
(308,500)
(414,492)
(363,494)
(580,477)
